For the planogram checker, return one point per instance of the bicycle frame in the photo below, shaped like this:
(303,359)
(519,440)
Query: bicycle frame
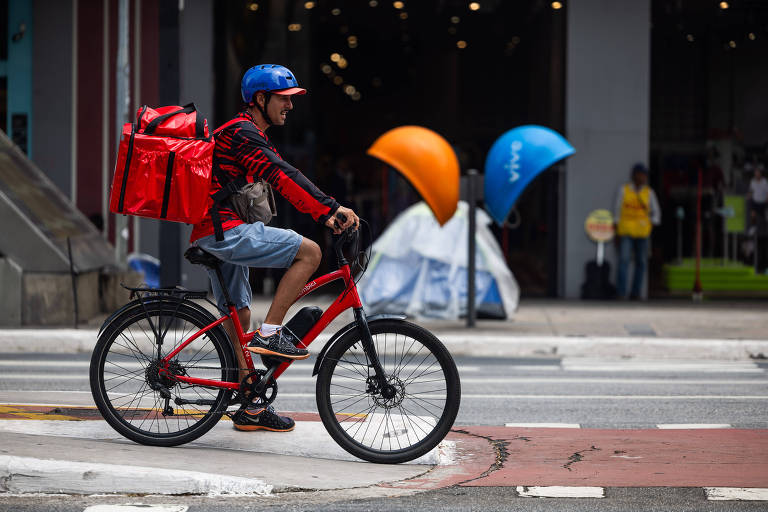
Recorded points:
(346,299)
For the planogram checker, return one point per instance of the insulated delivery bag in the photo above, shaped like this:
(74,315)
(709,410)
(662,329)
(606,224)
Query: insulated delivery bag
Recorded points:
(164,163)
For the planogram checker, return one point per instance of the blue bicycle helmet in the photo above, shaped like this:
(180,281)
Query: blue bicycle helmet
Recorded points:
(270,78)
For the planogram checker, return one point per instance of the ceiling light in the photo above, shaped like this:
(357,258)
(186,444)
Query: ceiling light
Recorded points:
(724,5)
(751,36)
(461,44)
(342,63)
(326,69)
(474,6)
(336,11)
(335,57)
(373,3)
(356,96)
(690,38)
(732,43)
(294,27)
(338,80)
(253,6)
(309,5)
(349,89)
(403,15)
(557,5)
(398,5)
(455,19)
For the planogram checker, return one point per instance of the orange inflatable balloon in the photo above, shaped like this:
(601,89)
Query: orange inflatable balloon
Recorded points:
(429,163)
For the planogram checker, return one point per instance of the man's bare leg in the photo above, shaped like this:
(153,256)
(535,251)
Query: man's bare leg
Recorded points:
(245,322)
(304,265)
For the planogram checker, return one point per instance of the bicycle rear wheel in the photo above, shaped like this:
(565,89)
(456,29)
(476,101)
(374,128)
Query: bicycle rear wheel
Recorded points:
(405,421)
(128,388)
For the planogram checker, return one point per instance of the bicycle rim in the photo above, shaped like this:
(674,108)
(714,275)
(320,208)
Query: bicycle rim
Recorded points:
(127,382)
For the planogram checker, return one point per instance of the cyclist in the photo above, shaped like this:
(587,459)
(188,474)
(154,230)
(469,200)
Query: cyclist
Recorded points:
(243,149)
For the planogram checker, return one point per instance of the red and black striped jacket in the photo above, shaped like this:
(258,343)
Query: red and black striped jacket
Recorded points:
(242,149)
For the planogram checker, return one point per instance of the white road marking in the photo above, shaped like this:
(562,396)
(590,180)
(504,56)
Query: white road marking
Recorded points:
(736,493)
(658,365)
(691,426)
(556,491)
(543,425)
(607,397)
(138,507)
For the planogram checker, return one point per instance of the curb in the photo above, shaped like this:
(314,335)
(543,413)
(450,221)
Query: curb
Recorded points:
(73,341)
(20,475)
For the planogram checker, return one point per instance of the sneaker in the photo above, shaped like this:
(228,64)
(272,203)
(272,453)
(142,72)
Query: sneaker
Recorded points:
(280,344)
(262,418)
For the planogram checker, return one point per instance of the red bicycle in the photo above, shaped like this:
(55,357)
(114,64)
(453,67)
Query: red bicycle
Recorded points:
(163,371)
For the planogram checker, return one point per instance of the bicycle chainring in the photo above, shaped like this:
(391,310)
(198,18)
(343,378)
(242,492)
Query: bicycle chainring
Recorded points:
(249,389)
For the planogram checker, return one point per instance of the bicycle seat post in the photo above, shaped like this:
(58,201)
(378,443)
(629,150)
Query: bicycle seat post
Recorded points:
(220,277)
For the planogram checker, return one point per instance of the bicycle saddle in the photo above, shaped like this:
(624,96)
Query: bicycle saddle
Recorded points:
(197,256)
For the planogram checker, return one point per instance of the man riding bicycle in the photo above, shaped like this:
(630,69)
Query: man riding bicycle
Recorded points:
(243,150)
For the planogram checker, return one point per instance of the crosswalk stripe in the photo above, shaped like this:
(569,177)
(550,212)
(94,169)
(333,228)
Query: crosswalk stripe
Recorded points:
(736,493)
(691,426)
(543,425)
(556,491)
(137,508)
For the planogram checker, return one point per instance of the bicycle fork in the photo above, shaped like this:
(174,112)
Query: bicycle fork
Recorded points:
(380,378)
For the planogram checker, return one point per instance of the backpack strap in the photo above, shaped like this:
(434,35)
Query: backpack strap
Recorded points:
(228,186)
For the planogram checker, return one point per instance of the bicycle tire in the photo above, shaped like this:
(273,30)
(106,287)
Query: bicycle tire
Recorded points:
(121,371)
(400,346)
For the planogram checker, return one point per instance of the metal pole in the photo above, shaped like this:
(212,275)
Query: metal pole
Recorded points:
(471,313)
(697,291)
(122,104)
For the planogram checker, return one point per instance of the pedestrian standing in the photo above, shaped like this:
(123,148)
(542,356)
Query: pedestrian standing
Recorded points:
(636,212)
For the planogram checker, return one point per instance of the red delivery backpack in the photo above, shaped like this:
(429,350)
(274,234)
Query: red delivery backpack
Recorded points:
(164,163)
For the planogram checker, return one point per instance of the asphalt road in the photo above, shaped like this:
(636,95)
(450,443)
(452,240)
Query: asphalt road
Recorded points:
(490,499)
(592,393)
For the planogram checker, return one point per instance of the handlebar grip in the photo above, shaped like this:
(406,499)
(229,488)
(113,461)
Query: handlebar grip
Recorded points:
(341,217)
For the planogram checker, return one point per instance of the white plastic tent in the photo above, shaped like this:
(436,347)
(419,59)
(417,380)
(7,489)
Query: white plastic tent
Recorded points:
(420,269)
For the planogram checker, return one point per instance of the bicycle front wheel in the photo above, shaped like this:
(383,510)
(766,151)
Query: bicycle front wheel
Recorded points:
(144,404)
(405,420)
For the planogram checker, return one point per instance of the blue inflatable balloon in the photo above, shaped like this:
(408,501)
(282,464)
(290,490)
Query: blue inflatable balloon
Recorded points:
(514,160)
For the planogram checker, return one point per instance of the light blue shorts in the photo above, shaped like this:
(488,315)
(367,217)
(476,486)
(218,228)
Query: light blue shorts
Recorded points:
(248,245)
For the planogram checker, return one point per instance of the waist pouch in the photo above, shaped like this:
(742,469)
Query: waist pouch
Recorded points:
(254,202)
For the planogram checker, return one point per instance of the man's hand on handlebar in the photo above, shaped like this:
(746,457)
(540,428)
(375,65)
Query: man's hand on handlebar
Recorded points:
(343,218)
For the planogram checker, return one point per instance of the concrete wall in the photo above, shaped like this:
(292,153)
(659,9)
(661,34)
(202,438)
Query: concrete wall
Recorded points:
(52,91)
(10,299)
(196,85)
(607,115)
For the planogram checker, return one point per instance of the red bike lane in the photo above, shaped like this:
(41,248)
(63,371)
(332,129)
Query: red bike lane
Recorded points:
(604,458)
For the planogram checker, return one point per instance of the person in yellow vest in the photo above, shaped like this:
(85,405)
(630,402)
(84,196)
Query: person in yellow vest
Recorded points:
(636,212)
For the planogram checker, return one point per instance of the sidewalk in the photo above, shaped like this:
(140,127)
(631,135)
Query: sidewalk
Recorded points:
(51,449)
(662,329)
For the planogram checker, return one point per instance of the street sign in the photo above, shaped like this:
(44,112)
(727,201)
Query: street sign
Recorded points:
(599,226)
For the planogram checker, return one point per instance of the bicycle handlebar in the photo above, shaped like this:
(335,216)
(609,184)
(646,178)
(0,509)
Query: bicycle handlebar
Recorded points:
(345,236)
